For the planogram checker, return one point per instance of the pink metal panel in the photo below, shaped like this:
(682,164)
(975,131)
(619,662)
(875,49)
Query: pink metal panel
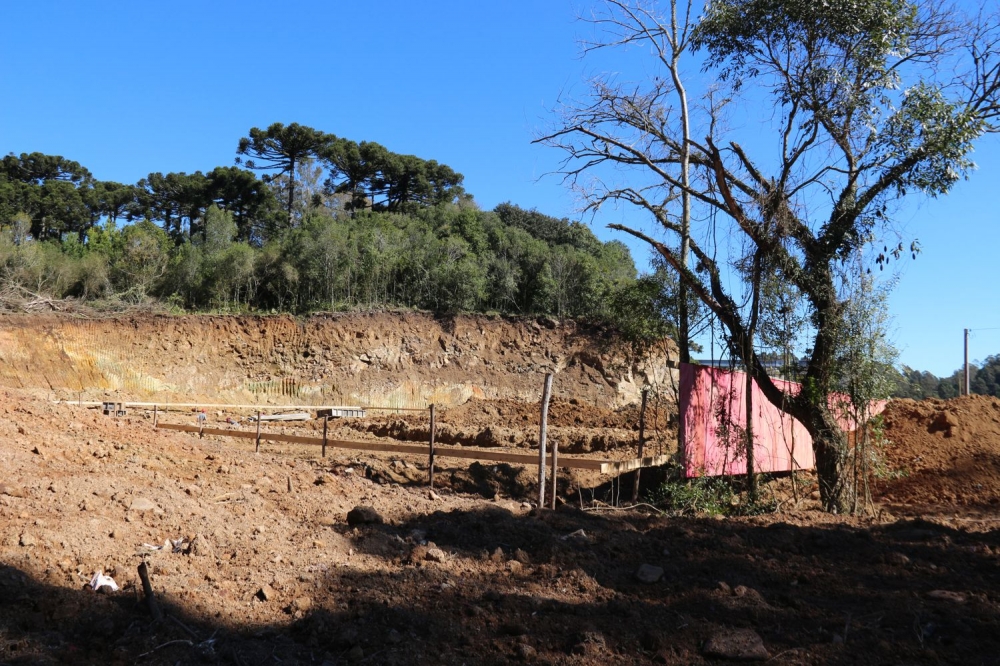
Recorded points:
(713,415)
(711,398)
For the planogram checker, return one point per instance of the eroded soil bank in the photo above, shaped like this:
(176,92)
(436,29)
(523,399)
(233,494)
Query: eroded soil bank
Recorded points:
(398,359)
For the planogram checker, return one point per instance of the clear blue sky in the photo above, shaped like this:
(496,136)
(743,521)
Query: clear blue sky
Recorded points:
(127,88)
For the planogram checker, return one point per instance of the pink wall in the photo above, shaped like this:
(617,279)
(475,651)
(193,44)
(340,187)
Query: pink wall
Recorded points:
(707,395)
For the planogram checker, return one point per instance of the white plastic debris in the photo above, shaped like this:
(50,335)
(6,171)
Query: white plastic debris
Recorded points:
(170,545)
(100,580)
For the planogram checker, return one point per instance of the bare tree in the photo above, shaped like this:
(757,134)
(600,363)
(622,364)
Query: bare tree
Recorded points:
(849,106)
(628,23)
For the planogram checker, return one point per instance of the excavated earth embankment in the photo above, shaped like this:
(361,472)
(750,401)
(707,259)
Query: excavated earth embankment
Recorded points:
(394,359)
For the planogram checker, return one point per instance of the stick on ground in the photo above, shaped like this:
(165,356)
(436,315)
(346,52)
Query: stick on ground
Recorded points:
(147,590)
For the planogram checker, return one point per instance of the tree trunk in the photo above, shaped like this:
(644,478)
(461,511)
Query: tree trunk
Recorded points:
(836,489)
(751,468)
(291,192)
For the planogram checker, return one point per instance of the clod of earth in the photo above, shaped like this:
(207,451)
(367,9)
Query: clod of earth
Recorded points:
(363,515)
(649,573)
(736,645)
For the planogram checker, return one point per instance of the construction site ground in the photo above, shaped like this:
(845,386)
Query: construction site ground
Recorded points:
(264,558)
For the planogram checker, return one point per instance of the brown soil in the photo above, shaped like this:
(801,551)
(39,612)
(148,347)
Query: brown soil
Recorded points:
(394,359)
(574,426)
(472,573)
(944,454)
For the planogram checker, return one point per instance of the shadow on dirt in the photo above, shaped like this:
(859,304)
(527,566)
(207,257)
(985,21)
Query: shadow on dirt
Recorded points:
(968,482)
(562,587)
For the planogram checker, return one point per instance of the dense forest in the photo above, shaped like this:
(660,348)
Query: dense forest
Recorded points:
(303,221)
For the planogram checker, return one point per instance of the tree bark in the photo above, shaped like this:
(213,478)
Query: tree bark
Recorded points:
(291,192)
(829,447)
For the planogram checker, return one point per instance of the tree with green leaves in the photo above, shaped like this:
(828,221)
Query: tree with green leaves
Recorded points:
(379,179)
(354,168)
(110,200)
(251,202)
(39,168)
(52,190)
(859,103)
(281,148)
(176,200)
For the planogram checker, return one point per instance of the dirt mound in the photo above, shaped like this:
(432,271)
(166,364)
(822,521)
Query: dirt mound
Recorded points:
(562,413)
(576,427)
(943,452)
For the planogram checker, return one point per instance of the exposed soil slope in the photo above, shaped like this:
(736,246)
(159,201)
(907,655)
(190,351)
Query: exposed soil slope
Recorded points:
(399,359)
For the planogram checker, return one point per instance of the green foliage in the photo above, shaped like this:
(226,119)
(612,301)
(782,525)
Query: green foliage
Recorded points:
(361,227)
(711,495)
(142,260)
(645,311)
(280,148)
(915,384)
(984,379)
(377,179)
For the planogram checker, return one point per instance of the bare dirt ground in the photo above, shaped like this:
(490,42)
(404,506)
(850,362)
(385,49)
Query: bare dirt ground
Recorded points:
(270,569)
(261,558)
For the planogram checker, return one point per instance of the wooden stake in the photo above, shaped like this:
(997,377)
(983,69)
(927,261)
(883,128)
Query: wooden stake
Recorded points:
(257,450)
(326,421)
(542,432)
(155,415)
(430,467)
(555,478)
(147,590)
(642,442)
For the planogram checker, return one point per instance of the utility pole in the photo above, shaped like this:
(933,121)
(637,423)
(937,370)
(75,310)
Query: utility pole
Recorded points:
(966,362)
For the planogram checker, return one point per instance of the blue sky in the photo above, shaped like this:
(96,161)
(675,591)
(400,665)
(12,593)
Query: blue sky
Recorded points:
(127,88)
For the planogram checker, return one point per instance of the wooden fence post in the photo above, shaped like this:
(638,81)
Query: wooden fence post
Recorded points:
(147,591)
(326,420)
(155,416)
(642,427)
(555,478)
(431,465)
(257,449)
(542,432)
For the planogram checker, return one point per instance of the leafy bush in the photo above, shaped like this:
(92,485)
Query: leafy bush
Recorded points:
(704,494)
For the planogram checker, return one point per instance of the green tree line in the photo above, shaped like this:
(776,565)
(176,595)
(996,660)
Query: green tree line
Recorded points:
(329,224)
(984,379)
